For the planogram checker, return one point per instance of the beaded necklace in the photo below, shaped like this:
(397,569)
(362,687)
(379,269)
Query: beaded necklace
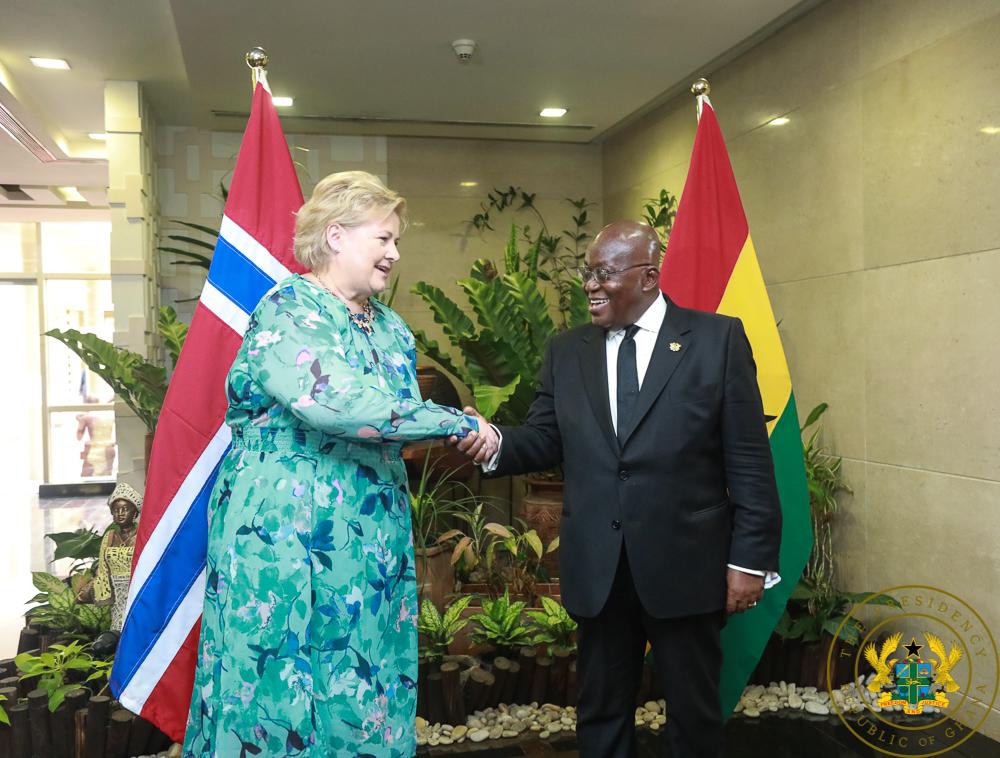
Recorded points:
(364,319)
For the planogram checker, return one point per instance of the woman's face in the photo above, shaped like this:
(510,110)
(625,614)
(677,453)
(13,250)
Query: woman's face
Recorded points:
(122,512)
(364,255)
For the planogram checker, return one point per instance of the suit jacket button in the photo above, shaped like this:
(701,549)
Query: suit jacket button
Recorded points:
(616,524)
(623,474)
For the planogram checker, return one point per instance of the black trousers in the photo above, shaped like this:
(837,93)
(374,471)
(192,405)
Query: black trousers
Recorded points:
(610,651)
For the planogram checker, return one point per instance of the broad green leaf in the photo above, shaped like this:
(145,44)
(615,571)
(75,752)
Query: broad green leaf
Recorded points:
(47,582)
(814,415)
(490,398)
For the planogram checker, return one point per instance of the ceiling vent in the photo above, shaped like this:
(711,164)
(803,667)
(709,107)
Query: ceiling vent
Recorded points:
(27,140)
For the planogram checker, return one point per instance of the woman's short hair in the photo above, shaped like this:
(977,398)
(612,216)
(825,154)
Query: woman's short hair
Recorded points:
(348,198)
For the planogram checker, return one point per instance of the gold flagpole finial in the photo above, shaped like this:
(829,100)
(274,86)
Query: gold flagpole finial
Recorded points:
(700,90)
(256,59)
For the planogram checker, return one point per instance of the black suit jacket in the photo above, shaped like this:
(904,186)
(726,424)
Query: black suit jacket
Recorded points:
(692,488)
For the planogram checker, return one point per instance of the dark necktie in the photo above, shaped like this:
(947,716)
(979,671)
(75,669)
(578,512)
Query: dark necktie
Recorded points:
(628,381)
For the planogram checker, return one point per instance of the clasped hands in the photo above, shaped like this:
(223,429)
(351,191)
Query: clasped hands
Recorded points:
(480,446)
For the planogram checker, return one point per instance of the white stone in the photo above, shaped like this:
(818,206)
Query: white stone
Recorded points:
(478,735)
(751,712)
(544,734)
(794,701)
(818,708)
(459,731)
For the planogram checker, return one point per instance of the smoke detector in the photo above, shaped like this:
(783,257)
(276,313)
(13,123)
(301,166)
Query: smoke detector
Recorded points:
(464,48)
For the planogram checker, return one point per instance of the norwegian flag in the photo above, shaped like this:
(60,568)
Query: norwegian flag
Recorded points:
(153,674)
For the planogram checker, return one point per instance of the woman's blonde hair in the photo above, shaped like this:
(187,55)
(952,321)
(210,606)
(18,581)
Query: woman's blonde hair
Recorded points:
(348,198)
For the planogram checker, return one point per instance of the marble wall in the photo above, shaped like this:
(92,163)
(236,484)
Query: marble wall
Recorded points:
(193,163)
(440,244)
(874,215)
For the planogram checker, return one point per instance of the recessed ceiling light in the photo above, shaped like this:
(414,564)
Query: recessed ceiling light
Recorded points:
(50,63)
(552,112)
(779,121)
(99,136)
(282,102)
(468,184)
(990,130)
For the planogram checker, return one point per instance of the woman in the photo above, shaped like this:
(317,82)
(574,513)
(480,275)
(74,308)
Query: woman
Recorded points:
(308,640)
(114,562)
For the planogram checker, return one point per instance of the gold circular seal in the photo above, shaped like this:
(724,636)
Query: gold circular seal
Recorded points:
(926,673)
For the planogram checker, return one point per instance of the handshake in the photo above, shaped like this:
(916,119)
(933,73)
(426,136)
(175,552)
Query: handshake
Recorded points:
(480,446)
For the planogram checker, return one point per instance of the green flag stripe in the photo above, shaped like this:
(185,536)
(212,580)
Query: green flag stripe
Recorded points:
(746,634)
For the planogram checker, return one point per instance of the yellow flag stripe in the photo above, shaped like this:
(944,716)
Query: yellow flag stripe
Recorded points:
(746,297)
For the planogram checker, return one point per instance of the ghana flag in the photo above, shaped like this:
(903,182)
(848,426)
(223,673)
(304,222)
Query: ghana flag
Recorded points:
(710,265)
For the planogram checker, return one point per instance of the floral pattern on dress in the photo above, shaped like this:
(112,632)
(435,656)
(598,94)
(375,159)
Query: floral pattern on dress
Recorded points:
(308,640)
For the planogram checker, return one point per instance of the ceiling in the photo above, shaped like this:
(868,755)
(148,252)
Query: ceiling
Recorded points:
(353,66)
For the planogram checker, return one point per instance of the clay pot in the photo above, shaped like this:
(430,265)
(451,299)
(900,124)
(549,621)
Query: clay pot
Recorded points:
(542,510)
(435,574)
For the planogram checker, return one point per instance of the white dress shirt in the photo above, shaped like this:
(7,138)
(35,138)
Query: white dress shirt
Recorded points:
(645,340)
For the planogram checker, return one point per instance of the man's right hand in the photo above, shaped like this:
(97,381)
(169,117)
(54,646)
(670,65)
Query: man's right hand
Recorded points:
(480,446)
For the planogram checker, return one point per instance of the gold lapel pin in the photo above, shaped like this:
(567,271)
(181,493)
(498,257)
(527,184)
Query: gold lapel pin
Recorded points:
(675,346)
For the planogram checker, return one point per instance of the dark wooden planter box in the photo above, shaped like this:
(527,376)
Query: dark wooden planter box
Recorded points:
(81,727)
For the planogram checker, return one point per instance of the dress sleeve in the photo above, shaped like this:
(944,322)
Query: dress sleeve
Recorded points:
(305,360)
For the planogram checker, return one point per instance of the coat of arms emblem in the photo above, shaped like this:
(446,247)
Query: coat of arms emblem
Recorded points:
(913,682)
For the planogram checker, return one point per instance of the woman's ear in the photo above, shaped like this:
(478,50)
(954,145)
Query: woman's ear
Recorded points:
(334,234)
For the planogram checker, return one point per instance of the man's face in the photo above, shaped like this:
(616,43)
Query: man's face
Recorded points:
(625,296)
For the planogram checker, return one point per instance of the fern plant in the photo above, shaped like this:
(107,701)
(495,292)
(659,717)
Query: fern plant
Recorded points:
(501,356)
(552,626)
(439,631)
(500,624)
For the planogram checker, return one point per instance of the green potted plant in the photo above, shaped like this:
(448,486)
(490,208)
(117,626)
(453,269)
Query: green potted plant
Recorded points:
(435,500)
(498,627)
(553,627)
(57,608)
(495,558)
(437,631)
(64,668)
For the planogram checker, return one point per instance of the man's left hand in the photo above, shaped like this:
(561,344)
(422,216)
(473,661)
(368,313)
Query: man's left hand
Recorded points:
(743,590)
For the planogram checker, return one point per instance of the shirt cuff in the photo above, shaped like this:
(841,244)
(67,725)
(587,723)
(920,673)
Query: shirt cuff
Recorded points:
(771,578)
(491,465)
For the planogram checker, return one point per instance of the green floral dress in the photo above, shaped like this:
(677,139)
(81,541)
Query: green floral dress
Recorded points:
(308,641)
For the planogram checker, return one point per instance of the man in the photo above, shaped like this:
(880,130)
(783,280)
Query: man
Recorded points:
(670,516)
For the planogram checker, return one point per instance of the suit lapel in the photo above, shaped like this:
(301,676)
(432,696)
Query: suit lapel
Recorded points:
(594,368)
(662,363)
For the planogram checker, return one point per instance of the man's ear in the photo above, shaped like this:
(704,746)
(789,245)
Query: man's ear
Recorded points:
(651,279)
(334,234)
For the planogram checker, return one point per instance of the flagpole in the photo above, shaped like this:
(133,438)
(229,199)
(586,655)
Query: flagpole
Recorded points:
(257,59)
(700,90)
